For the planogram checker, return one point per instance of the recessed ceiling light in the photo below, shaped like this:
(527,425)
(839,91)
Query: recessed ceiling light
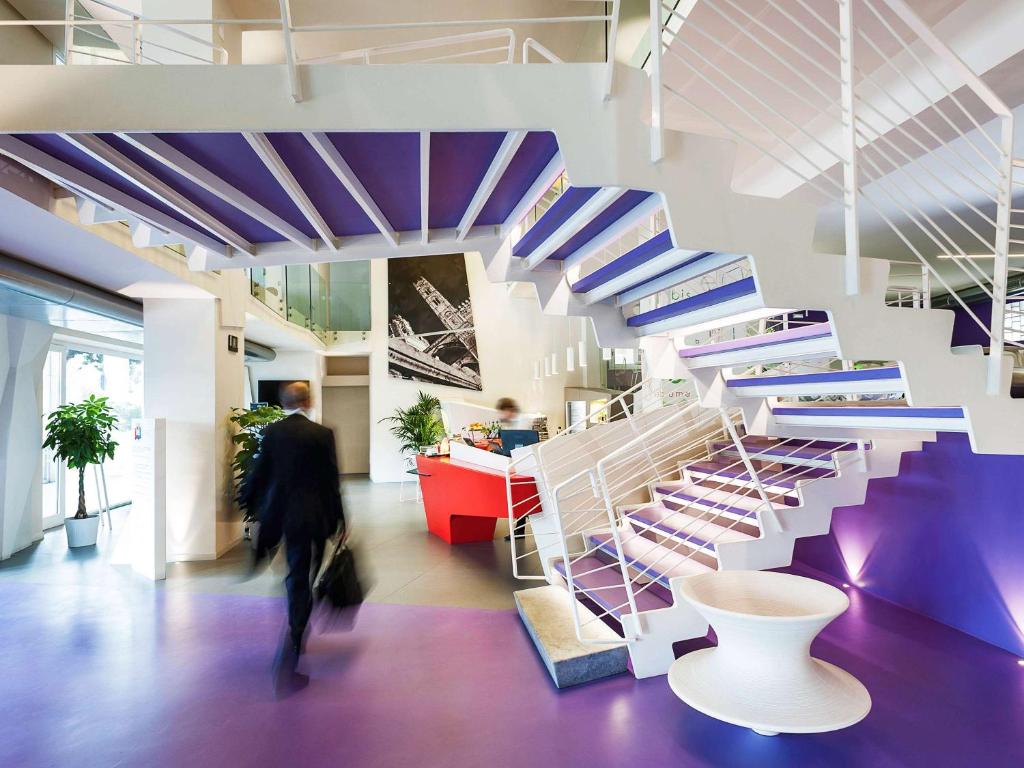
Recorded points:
(1020,662)
(845,585)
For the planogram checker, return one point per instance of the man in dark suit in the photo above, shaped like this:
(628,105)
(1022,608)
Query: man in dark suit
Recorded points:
(293,486)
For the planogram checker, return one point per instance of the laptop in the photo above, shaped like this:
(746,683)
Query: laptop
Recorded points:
(516,438)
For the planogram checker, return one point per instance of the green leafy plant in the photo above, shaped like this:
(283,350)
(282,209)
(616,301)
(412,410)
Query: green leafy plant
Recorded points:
(80,434)
(250,425)
(419,424)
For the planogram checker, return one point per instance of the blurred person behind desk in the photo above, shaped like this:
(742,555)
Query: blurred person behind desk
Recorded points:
(509,418)
(293,487)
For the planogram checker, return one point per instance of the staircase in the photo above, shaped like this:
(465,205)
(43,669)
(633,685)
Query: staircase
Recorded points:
(793,418)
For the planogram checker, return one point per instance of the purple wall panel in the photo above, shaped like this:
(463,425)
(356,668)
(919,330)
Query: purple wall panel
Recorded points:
(944,538)
(458,162)
(245,225)
(229,156)
(61,150)
(531,158)
(328,195)
(388,165)
(966,330)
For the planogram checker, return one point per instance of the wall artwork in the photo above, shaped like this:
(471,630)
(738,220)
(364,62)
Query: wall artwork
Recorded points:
(430,322)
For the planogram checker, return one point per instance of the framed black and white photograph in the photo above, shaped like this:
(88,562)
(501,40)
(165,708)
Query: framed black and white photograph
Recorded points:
(430,322)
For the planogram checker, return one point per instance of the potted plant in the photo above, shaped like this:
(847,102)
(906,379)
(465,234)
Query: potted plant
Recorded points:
(419,425)
(80,434)
(251,425)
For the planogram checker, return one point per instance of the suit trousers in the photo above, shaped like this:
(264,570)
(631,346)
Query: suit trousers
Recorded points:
(304,555)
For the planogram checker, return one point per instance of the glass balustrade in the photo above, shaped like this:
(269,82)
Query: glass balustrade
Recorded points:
(326,299)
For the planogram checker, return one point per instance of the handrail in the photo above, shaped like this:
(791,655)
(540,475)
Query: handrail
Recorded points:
(626,411)
(876,95)
(365,54)
(529,44)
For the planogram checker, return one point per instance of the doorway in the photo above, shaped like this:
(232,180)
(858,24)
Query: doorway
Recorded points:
(346,410)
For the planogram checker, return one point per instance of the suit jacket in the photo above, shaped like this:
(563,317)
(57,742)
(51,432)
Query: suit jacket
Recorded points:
(293,483)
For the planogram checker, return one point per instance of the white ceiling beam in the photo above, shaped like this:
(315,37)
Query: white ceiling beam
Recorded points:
(68,176)
(182,164)
(543,182)
(343,171)
(587,212)
(424,186)
(509,146)
(374,246)
(131,171)
(629,220)
(268,155)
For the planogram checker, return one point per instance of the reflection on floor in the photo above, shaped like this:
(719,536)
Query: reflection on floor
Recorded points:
(102,669)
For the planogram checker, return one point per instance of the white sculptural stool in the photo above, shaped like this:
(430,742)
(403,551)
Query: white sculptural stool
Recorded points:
(762,675)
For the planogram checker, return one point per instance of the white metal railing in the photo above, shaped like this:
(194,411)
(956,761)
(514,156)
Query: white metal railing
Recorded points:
(870,110)
(492,40)
(745,487)
(530,478)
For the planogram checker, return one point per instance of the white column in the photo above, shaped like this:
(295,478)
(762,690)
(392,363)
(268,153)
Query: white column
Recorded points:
(23,348)
(193,381)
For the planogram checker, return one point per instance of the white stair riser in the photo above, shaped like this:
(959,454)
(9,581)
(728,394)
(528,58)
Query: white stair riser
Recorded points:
(878,387)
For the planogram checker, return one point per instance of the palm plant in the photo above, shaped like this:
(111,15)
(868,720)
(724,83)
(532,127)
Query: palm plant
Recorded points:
(80,434)
(419,424)
(251,426)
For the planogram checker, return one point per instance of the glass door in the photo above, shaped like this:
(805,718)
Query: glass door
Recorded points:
(53,475)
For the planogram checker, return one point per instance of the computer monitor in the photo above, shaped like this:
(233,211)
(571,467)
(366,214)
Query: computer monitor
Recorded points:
(516,438)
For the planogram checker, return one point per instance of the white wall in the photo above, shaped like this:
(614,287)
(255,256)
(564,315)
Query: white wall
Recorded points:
(23,347)
(22,45)
(293,366)
(193,381)
(512,336)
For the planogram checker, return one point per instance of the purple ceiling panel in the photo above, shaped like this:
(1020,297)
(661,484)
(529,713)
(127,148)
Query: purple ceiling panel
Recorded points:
(328,195)
(532,157)
(57,148)
(246,226)
(229,156)
(626,202)
(388,165)
(458,162)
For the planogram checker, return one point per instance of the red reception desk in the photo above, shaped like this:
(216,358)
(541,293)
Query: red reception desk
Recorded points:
(463,501)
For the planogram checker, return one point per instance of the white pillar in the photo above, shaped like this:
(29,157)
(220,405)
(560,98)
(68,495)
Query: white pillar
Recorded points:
(193,381)
(23,348)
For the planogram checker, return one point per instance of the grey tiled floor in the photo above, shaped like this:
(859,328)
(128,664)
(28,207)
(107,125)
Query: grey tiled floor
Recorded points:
(401,561)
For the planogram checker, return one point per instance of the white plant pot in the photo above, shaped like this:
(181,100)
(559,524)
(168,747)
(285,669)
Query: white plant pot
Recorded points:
(762,675)
(82,532)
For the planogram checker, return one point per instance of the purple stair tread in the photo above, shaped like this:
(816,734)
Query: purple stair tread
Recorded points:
(863,374)
(560,211)
(677,494)
(785,478)
(614,211)
(647,250)
(797,451)
(673,495)
(606,588)
(699,256)
(906,411)
(744,287)
(692,539)
(800,333)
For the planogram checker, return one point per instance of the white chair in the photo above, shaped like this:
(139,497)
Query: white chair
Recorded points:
(762,675)
(411,473)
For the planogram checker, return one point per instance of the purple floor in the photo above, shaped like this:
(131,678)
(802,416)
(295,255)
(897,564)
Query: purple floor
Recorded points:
(143,677)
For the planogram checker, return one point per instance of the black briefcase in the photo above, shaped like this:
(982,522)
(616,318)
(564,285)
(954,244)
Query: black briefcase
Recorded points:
(339,586)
